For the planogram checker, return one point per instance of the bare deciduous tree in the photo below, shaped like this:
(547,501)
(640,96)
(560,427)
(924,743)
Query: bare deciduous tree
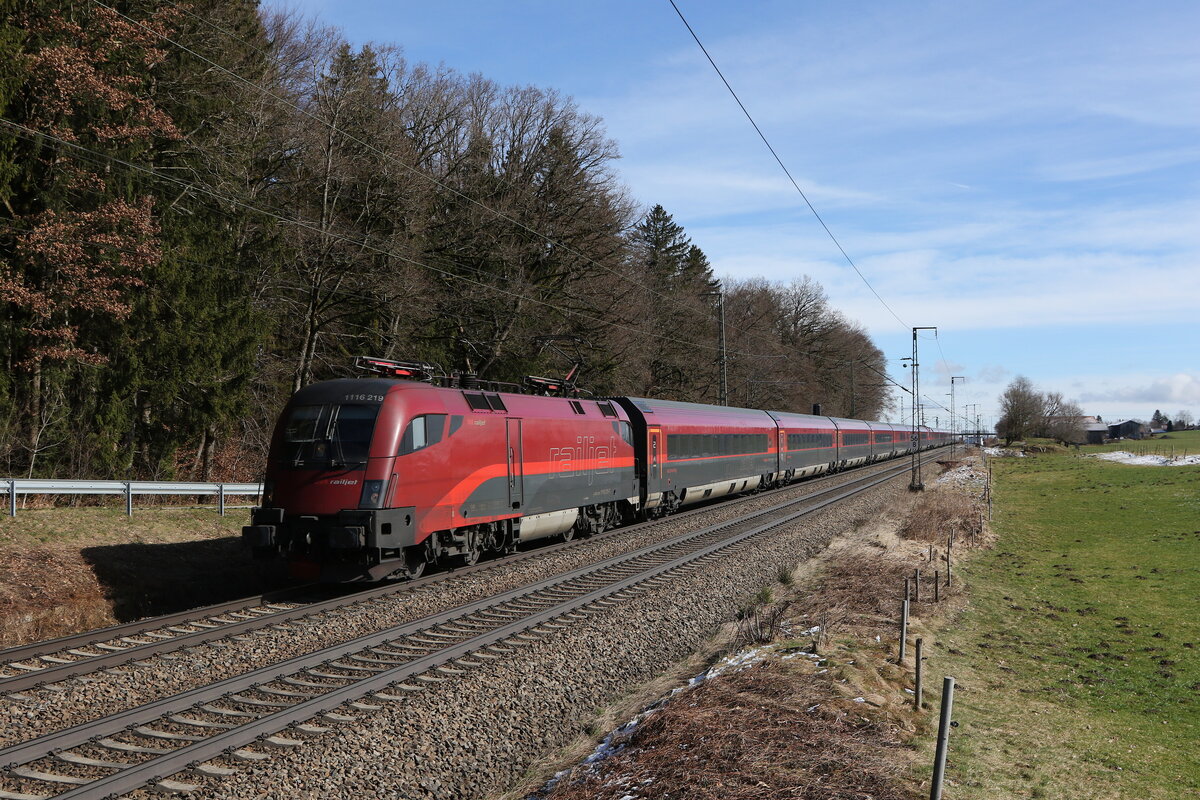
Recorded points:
(1022,408)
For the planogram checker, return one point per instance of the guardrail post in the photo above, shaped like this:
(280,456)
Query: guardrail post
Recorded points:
(128,498)
(12,497)
(221,499)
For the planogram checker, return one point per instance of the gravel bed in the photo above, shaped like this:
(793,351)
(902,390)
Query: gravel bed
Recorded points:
(475,737)
(34,712)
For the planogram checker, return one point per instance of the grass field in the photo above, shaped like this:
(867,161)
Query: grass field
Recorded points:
(1079,654)
(1178,443)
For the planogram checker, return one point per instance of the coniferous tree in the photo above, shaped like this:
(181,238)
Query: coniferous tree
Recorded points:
(681,319)
(196,330)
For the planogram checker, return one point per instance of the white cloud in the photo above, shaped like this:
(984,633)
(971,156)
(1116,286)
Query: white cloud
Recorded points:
(992,373)
(1180,389)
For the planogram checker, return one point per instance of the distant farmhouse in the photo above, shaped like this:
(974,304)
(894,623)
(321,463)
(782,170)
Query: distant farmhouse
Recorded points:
(1128,429)
(1094,431)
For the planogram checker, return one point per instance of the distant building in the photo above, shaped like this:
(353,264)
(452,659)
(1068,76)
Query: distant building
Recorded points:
(1096,432)
(1128,429)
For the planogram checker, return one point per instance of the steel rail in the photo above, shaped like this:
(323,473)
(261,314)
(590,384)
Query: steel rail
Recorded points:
(54,671)
(134,776)
(138,627)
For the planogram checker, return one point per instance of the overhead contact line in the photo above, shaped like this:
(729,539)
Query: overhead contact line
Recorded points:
(407,167)
(783,166)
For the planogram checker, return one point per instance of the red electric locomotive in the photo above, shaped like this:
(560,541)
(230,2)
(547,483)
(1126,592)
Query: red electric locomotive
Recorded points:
(375,477)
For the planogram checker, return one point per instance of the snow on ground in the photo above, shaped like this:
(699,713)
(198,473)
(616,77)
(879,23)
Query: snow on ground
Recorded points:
(1003,452)
(1123,457)
(615,741)
(964,475)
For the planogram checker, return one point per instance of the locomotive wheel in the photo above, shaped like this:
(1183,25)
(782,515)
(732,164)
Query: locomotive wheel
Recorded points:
(415,561)
(471,555)
(568,534)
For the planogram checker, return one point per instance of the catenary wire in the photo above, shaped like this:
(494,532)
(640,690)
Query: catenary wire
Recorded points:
(782,166)
(788,173)
(402,165)
(30,132)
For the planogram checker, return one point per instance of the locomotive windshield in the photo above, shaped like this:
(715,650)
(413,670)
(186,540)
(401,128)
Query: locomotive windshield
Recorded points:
(328,435)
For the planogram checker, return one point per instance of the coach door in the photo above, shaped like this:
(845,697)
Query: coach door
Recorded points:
(656,456)
(516,465)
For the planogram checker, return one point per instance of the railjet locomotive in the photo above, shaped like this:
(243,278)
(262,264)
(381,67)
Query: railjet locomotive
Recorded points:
(379,477)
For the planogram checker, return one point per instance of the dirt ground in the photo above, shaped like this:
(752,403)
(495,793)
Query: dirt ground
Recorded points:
(66,570)
(779,720)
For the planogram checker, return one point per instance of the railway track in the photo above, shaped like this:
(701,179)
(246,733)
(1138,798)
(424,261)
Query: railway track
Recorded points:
(42,663)
(182,734)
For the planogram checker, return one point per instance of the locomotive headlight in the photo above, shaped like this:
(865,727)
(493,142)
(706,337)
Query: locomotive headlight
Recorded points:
(372,494)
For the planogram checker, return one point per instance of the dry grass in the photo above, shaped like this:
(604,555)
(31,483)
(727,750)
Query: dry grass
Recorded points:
(764,733)
(46,592)
(942,512)
(841,728)
(69,570)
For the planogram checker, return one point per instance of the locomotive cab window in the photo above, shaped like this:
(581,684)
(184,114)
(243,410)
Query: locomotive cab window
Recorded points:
(319,436)
(626,432)
(422,432)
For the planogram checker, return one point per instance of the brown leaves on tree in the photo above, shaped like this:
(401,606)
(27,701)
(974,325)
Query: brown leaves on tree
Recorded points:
(98,65)
(79,265)
(73,265)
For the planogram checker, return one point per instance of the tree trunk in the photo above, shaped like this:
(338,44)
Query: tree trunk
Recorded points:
(209,450)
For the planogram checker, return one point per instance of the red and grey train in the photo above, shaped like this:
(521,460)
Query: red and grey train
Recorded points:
(378,477)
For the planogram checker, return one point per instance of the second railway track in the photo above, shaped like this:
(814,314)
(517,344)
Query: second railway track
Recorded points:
(122,752)
(40,663)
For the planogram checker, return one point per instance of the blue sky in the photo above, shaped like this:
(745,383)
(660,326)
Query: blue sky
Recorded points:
(1025,176)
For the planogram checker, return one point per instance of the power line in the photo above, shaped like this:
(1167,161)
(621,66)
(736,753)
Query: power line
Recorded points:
(500,215)
(412,170)
(30,132)
(796,185)
(782,166)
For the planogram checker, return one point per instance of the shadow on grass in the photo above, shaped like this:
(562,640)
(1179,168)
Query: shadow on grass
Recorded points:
(143,580)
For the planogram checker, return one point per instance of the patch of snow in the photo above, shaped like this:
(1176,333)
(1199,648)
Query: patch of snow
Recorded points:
(1003,452)
(860,699)
(964,475)
(1124,457)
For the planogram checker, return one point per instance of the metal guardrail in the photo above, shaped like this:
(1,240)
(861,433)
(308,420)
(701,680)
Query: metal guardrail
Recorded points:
(18,486)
